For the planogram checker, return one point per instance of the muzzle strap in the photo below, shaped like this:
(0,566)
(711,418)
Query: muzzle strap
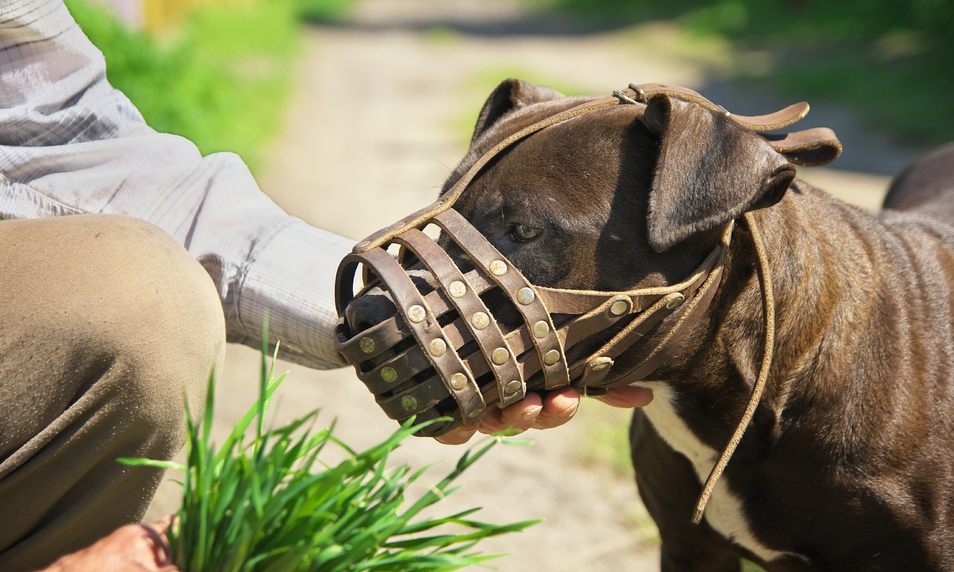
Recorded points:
(535,314)
(475,315)
(423,324)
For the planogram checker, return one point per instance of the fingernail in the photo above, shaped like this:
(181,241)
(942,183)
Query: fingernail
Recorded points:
(531,413)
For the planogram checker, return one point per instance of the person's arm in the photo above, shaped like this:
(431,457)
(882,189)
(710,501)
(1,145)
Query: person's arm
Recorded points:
(70,143)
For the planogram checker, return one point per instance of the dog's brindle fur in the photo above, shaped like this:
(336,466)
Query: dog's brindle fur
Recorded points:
(849,461)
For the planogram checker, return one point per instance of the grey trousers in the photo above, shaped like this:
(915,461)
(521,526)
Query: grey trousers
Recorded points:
(106,326)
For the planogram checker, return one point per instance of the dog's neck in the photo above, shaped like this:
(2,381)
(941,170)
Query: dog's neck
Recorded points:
(814,269)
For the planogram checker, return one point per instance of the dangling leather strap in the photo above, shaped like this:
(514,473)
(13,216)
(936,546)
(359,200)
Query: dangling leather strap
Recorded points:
(768,349)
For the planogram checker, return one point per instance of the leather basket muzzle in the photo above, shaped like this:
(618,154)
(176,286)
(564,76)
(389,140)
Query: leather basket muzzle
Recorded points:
(462,360)
(447,352)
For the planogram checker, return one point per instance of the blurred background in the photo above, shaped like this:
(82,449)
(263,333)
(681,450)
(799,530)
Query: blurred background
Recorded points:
(352,112)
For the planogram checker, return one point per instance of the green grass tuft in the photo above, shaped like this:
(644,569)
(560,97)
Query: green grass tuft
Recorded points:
(263,501)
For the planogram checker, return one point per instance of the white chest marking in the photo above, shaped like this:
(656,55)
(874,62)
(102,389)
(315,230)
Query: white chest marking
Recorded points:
(724,512)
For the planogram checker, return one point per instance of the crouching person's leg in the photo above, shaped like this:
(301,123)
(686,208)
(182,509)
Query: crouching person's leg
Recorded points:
(106,325)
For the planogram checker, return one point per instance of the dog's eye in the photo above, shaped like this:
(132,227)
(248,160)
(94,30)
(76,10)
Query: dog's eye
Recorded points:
(524,233)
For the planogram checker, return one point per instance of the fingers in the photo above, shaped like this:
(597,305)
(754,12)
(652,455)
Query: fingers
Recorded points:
(520,416)
(156,533)
(558,408)
(535,412)
(458,435)
(627,397)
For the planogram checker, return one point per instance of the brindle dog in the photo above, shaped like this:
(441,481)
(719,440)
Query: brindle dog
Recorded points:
(848,463)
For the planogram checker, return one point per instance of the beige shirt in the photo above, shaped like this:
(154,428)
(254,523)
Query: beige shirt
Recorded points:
(70,143)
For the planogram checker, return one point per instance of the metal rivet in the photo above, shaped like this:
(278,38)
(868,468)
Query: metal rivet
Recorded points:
(388,375)
(458,381)
(541,329)
(409,403)
(620,307)
(367,344)
(499,356)
(675,302)
(416,313)
(525,295)
(457,289)
(437,347)
(498,267)
(513,386)
(480,320)
(551,357)
(600,363)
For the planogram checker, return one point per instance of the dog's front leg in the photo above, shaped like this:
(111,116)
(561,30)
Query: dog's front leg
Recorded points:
(669,487)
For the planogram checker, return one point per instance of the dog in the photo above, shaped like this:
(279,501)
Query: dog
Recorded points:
(848,462)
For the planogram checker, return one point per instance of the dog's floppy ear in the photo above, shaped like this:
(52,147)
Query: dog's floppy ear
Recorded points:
(510,95)
(710,170)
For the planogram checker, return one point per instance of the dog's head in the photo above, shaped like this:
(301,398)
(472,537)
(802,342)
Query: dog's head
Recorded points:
(624,198)
(632,196)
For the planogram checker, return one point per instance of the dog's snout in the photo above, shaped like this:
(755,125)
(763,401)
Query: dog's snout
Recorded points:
(376,305)
(368,310)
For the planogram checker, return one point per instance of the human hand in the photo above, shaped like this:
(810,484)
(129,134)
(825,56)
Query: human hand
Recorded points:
(535,412)
(134,547)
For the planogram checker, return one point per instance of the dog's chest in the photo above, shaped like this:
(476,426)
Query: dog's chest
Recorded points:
(724,512)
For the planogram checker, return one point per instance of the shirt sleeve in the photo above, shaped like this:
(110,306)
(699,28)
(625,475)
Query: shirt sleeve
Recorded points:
(70,143)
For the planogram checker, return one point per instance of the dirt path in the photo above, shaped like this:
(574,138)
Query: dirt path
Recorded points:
(373,129)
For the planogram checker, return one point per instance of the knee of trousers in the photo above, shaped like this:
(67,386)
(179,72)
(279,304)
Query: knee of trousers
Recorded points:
(147,317)
(167,332)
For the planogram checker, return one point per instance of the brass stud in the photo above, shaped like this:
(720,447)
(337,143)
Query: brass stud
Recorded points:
(416,313)
(480,320)
(541,329)
(499,356)
(367,345)
(600,363)
(620,307)
(437,347)
(513,386)
(498,267)
(457,288)
(551,357)
(458,381)
(388,375)
(675,301)
(409,403)
(525,295)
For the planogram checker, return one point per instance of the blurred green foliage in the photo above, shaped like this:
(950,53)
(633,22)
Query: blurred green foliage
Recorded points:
(323,10)
(804,21)
(889,59)
(221,79)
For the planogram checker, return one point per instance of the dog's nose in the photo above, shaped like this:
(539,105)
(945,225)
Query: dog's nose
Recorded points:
(376,305)
(371,309)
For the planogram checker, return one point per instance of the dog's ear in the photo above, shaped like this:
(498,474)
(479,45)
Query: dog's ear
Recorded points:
(510,95)
(710,170)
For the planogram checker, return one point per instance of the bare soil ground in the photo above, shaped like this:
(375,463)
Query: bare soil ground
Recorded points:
(377,121)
